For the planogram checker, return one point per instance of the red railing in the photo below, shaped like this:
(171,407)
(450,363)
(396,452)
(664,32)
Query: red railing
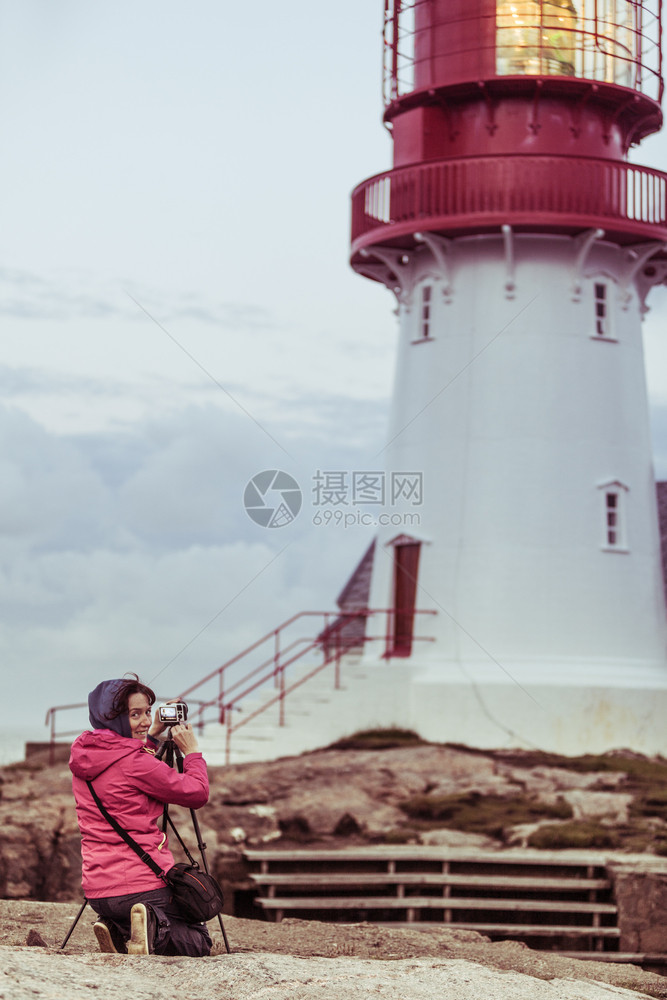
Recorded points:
(50,721)
(563,193)
(339,633)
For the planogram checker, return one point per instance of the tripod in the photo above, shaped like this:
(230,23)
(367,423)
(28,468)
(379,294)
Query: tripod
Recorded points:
(167,753)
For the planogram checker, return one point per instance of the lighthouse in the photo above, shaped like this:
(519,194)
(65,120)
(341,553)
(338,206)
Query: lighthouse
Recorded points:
(523,579)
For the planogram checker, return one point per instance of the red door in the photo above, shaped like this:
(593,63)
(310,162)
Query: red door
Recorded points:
(406,565)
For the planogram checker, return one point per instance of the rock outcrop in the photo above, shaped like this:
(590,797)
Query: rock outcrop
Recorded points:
(420,793)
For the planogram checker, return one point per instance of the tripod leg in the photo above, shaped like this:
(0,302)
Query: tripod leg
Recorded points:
(224,934)
(202,850)
(76,920)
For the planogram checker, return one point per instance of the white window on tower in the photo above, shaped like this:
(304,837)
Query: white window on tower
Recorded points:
(602,312)
(612,513)
(427,291)
(614,530)
(601,318)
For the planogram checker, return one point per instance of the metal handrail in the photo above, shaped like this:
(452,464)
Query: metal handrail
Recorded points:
(50,721)
(262,666)
(255,645)
(334,657)
(330,639)
(221,700)
(340,620)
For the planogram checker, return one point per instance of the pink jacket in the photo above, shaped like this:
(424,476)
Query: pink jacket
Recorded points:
(133,786)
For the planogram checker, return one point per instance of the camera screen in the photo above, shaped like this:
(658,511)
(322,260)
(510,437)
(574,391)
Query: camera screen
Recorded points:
(169,712)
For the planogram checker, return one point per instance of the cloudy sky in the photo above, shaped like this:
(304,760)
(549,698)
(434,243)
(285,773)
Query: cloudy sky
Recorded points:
(177,315)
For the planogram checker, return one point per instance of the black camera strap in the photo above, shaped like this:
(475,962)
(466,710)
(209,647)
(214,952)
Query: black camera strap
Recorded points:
(182,842)
(131,842)
(147,859)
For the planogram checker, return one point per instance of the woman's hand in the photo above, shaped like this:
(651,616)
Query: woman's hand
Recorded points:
(184,738)
(157,727)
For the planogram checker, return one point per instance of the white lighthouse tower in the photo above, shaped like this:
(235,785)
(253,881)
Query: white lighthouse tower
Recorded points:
(525,587)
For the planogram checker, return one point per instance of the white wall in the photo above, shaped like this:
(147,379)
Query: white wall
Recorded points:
(517,413)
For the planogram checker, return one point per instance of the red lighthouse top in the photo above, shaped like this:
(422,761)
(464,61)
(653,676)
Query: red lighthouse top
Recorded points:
(517,112)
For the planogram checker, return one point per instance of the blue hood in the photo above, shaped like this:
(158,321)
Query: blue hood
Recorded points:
(100,702)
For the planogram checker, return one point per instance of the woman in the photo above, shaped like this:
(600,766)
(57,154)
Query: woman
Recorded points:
(137,914)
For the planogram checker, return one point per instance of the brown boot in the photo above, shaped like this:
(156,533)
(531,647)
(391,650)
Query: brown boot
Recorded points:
(109,939)
(142,923)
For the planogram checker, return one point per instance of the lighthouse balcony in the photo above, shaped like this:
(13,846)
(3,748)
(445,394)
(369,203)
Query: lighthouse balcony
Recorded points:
(531,193)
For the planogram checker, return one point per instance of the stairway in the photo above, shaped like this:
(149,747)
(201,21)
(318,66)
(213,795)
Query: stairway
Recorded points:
(314,714)
(555,901)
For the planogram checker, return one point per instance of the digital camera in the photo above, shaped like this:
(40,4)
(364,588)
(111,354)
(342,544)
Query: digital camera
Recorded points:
(171,715)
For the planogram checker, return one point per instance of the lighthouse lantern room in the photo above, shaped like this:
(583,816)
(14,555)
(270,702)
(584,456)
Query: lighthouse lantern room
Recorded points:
(520,244)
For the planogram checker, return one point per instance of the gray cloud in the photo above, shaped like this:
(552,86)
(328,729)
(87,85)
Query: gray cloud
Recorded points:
(35,381)
(73,295)
(131,551)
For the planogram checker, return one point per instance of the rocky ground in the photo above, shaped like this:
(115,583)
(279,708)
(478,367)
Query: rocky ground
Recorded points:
(397,792)
(368,791)
(298,960)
